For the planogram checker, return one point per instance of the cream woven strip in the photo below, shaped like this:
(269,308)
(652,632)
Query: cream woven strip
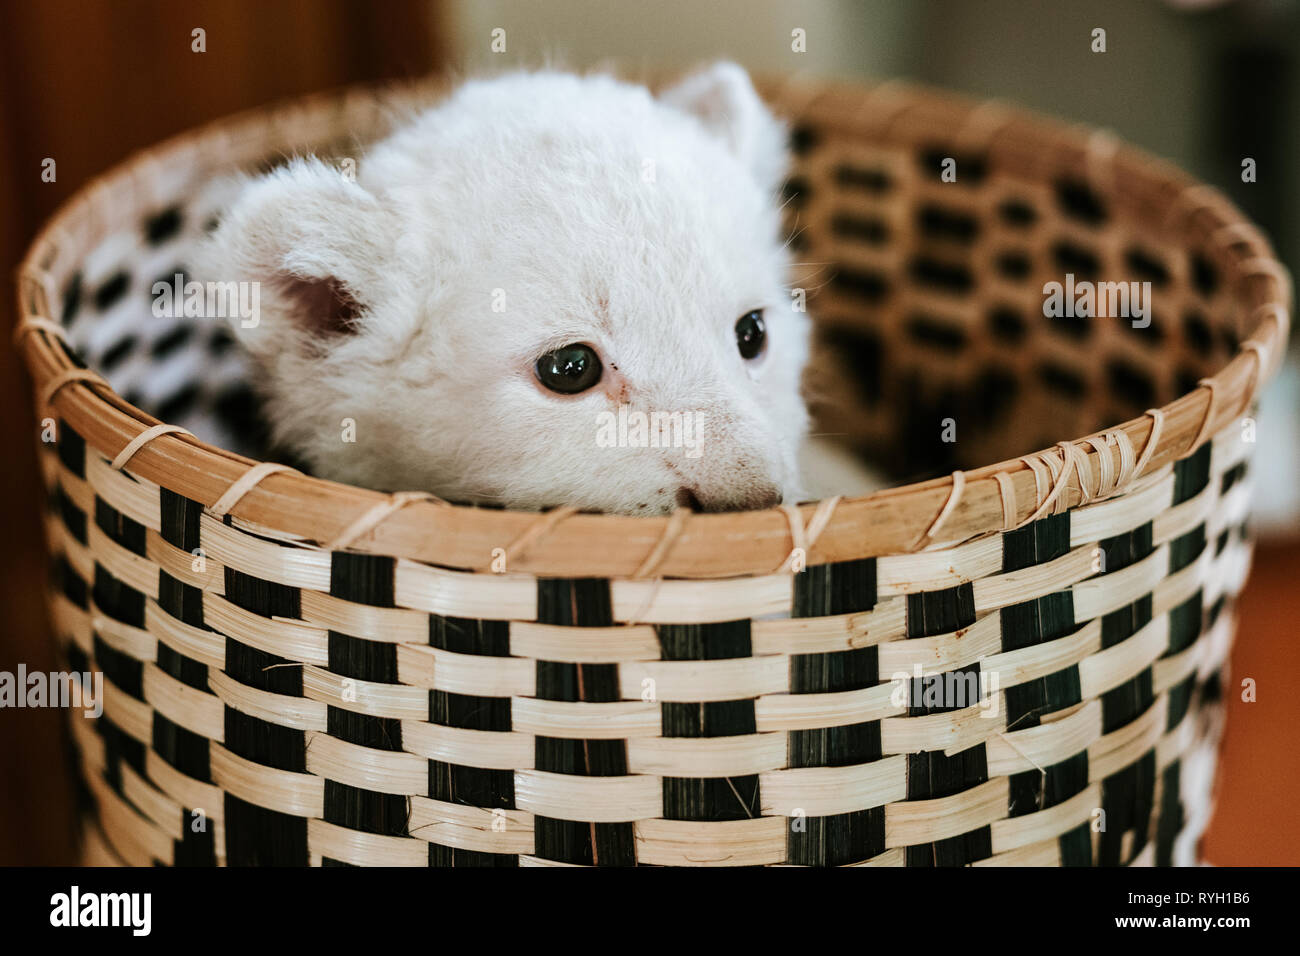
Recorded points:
(954,496)
(1196,197)
(1157,423)
(244,484)
(886,103)
(46,283)
(1237,232)
(142,439)
(37,323)
(1099,160)
(1261,266)
(802,539)
(982,124)
(1075,460)
(1062,478)
(371,518)
(1105,465)
(1206,421)
(1007,486)
(1260,352)
(83,376)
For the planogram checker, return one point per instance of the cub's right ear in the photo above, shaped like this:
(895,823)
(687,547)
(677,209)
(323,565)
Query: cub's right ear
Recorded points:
(314,243)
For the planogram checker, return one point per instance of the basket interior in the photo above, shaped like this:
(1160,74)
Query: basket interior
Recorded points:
(927,297)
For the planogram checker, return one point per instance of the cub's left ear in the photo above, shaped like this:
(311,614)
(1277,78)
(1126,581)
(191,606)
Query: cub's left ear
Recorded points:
(722,97)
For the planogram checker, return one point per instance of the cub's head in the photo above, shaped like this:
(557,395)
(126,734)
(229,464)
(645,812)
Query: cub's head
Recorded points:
(547,290)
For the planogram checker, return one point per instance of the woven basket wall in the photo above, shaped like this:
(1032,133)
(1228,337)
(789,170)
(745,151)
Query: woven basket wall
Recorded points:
(321,674)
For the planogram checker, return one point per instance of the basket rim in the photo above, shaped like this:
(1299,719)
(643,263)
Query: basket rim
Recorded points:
(306,510)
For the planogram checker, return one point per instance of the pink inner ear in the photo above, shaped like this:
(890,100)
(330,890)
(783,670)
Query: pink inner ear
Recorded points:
(320,306)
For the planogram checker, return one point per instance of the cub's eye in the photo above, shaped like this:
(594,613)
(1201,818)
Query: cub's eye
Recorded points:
(751,334)
(568,370)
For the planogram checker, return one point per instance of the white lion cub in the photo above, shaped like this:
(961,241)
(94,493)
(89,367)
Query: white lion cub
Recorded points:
(548,289)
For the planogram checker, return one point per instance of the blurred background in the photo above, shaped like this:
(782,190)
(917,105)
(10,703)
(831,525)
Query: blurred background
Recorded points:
(1204,83)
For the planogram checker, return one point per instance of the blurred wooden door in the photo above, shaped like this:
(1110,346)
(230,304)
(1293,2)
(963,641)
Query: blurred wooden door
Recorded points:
(87,82)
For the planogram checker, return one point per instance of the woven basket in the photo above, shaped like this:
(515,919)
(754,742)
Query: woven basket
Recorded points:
(298,671)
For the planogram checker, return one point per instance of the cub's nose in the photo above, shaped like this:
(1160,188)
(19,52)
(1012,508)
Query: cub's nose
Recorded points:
(749,497)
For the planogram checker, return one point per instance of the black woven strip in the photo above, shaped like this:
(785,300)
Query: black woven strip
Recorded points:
(1123,704)
(933,774)
(1034,790)
(78,662)
(1185,624)
(117,600)
(1171,814)
(1026,625)
(185,603)
(1192,475)
(252,738)
(328,861)
(840,588)
(122,670)
(580,603)
(180,519)
(362,659)
(184,669)
(364,730)
(1186,548)
(119,747)
(366,810)
(826,589)
(471,786)
(185,750)
(256,836)
(195,847)
(182,601)
(127,532)
(257,668)
(266,598)
(1127,797)
(708,798)
(363,579)
(1215,609)
(71,449)
(1180,698)
(74,519)
(1231,477)
(180,527)
(261,741)
(1212,688)
(1075,846)
(70,583)
(939,612)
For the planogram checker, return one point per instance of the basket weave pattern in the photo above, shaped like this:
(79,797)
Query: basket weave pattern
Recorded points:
(336,676)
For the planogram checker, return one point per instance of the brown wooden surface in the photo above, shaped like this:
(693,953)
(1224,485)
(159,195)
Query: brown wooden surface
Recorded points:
(87,82)
(1255,822)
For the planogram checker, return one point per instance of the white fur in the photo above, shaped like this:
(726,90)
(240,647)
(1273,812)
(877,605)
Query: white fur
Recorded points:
(645,227)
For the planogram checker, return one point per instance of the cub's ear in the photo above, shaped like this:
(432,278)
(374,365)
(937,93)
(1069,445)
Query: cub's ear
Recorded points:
(722,97)
(313,241)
